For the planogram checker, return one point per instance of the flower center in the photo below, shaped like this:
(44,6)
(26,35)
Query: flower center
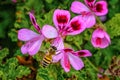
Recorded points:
(99,7)
(98,41)
(62,19)
(75,25)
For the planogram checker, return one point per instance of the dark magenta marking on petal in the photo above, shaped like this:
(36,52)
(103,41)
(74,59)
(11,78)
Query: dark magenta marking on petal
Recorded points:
(81,53)
(33,21)
(98,41)
(99,7)
(62,19)
(90,0)
(38,27)
(75,25)
(68,50)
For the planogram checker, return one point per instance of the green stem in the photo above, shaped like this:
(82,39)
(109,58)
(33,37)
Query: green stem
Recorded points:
(100,23)
(92,65)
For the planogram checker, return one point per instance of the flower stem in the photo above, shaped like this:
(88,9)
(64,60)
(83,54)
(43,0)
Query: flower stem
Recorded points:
(100,23)
(92,65)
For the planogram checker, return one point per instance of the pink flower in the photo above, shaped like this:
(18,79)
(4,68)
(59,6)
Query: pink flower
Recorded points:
(64,26)
(34,23)
(68,56)
(32,39)
(89,11)
(100,38)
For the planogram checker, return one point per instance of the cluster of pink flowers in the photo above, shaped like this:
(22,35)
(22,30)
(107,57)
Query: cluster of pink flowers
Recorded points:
(65,26)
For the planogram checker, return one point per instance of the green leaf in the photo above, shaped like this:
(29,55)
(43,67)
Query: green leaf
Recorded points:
(13,35)
(48,19)
(22,71)
(49,1)
(3,53)
(113,26)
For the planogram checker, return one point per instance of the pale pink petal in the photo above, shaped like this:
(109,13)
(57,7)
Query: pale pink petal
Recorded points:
(57,57)
(24,49)
(76,62)
(35,47)
(107,37)
(65,62)
(89,20)
(33,20)
(76,26)
(100,38)
(90,3)
(26,34)
(105,43)
(101,8)
(78,7)
(32,47)
(93,41)
(61,18)
(49,31)
(98,33)
(83,53)
(58,43)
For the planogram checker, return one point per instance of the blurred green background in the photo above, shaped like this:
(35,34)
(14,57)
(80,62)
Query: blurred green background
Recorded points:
(14,16)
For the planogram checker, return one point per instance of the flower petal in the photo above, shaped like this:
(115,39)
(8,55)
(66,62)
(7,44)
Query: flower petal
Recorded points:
(107,37)
(76,62)
(76,26)
(90,3)
(36,46)
(24,49)
(65,62)
(101,8)
(33,20)
(32,46)
(78,7)
(100,38)
(49,31)
(26,34)
(58,43)
(84,53)
(61,18)
(105,43)
(102,44)
(98,33)
(89,20)
(57,57)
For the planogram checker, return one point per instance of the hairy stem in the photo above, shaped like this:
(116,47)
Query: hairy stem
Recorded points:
(93,66)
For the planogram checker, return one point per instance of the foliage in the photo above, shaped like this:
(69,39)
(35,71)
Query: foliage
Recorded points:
(16,17)
(113,26)
(9,68)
